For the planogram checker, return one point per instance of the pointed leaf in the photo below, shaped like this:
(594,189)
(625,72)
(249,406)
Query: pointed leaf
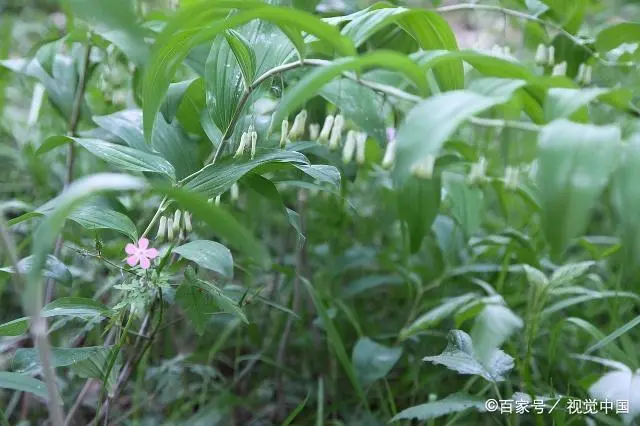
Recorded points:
(372,360)
(22,383)
(453,403)
(208,254)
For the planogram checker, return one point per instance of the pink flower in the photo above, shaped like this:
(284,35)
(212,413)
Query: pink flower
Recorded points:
(140,253)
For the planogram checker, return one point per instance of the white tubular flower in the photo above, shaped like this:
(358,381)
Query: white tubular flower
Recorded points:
(326,129)
(389,155)
(424,169)
(162,228)
(349,147)
(299,124)
(218,199)
(551,56)
(210,201)
(314,131)
(580,75)
(361,144)
(478,171)
(541,55)
(283,133)
(336,132)
(244,141)
(511,178)
(588,74)
(235,192)
(254,143)
(187,222)
(176,221)
(170,229)
(559,69)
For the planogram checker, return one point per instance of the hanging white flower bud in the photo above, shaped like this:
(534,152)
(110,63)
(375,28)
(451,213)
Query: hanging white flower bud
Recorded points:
(580,75)
(361,144)
(181,235)
(511,178)
(559,69)
(496,50)
(336,132)
(218,199)
(424,169)
(176,221)
(349,147)
(187,222)
(170,229)
(254,143)
(588,73)
(244,141)
(314,131)
(235,192)
(162,228)
(283,133)
(326,129)
(299,124)
(541,55)
(478,171)
(551,56)
(210,201)
(506,51)
(389,155)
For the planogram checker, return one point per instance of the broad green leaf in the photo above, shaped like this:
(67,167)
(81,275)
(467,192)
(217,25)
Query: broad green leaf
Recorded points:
(453,403)
(428,125)
(625,198)
(459,356)
(492,327)
(125,124)
(418,205)
(198,24)
(208,254)
(467,203)
(574,164)
(617,34)
(53,269)
(430,30)
(29,360)
(96,217)
(436,315)
(119,156)
(115,21)
(95,367)
(568,13)
(358,103)
(23,383)
(567,103)
(14,328)
(244,54)
(315,80)
(78,307)
(373,361)
(221,300)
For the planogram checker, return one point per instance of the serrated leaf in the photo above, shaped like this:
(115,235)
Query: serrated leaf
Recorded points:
(208,254)
(459,356)
(22,383)
(574,164)
(53,268)
(453,403)
(437,314)
(373,361)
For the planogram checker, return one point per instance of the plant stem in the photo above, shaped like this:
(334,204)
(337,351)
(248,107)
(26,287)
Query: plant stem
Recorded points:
(39,332)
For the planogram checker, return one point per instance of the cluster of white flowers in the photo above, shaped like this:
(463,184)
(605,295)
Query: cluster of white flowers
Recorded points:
(545,55)
(248,139)
(170,227)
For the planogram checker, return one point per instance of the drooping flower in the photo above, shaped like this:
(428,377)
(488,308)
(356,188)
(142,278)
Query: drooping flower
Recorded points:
(391,134)
(140,253)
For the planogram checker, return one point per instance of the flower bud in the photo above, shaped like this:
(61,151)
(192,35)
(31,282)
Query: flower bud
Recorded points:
(389,155)
(588,73)
(244,141)
(326,129)
(254,143)
(361,144)
(349,147)
(176,221)
(314,131)
(336,132)
(299,124)
(551,56)
(170,229)
(218,199)
(580,75)
(559,69)
(162,227)
(424,169)
(511,178)
(187,222)
(235,192)
(283,133)
(478,171)
(541,55)
(210,201)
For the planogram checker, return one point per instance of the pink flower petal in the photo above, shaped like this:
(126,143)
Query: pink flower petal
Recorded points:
(133,260)
(131,249)
(150,253)
(144,262)
(143,244)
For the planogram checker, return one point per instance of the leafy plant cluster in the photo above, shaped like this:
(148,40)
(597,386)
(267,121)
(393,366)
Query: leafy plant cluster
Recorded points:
(267,212)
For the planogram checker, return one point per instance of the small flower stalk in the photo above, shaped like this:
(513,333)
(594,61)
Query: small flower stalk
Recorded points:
(326,129)
(336,132)
(424,169)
